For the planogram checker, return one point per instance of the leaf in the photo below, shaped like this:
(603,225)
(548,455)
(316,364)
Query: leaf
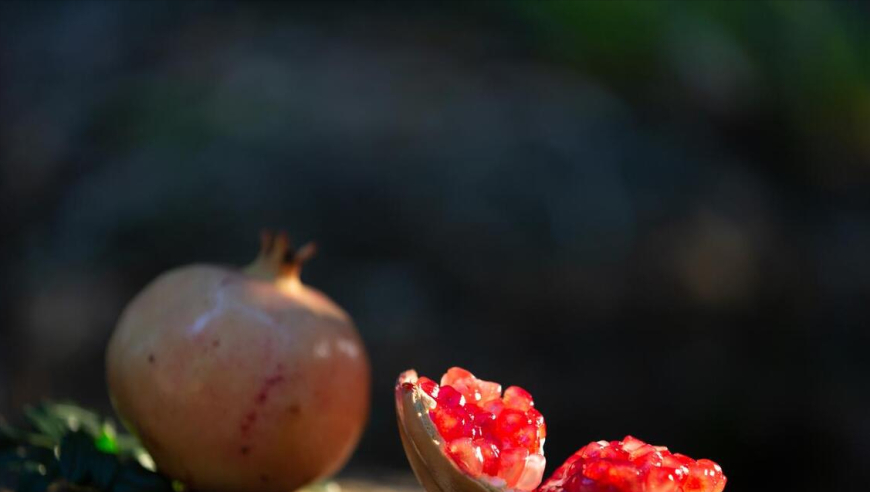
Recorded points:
(29,458)
(76,453)
(128,445)
(45,423)
(104,469)
(107,441)
(75,450)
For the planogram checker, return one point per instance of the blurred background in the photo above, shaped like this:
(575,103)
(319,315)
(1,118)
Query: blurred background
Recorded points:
(654,216)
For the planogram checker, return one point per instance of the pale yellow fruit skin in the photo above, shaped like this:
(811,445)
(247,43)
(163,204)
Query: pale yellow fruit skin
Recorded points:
(233,384)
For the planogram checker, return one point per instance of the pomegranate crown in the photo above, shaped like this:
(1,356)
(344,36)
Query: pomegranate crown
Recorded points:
(278,259)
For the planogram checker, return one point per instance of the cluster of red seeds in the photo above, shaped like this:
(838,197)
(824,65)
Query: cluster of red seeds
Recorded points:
(632,465)
(488,434)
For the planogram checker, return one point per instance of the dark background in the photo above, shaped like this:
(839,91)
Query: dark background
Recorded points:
(654,216)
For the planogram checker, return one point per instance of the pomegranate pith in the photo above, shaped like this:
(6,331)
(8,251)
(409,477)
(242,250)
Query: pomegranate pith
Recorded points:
(487,435)
(631,465)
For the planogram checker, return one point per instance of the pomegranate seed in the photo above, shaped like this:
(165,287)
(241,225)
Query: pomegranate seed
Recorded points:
(501,438)
(488,391)
(648,460)
(630,444)
(452,423)
(466,455)
(591,450)
(535,417)
(642,451)
(596,470)
(661,480)
(494,406)
(631,465)
(518,398)
(484,422)
(532,473)
(527,437)
(428,386)
(537,420)
(486,434)
(512,462)
(683,459)
(510,423)
(672,461)
(455,374)
(704,476)
(613,453)
(623,476)
(450,398)
(490,452)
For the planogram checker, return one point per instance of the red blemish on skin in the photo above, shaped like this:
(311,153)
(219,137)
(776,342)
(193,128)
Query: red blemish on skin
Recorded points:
(151,358)
(245,450)
(248,422)
(267,386)
(216,343)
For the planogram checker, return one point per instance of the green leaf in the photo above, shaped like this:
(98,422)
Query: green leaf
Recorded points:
(83,464)
(107,441)
(128,445)
(73,449)
(45,423)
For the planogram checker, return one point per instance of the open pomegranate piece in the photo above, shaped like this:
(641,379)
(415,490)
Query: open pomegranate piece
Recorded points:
(465,435)
(635,466)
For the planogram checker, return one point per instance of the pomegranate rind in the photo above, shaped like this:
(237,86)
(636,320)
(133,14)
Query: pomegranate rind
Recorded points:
(425,447)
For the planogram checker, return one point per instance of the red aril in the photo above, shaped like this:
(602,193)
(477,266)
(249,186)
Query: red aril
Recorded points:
(632,465)
(464,435)
(489,436)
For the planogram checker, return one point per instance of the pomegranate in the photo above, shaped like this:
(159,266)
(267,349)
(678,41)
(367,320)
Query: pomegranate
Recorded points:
(240,380)
(464,435)
(633,465)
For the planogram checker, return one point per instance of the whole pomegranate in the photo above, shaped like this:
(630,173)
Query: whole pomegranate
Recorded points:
(465,435)
(240,380)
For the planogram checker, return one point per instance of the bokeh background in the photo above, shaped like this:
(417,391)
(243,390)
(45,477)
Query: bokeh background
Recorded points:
(655,216)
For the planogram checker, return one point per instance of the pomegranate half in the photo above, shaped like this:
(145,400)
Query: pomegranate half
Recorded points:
(240,380)
(464,435)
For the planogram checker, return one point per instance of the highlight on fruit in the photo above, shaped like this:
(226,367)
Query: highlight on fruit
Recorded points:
(466,435)
(241,379)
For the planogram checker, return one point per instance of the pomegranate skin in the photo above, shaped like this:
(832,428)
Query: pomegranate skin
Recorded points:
(235,383)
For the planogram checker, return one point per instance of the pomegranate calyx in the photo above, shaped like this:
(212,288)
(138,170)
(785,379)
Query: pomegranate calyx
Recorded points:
(423,444)
(278,260)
